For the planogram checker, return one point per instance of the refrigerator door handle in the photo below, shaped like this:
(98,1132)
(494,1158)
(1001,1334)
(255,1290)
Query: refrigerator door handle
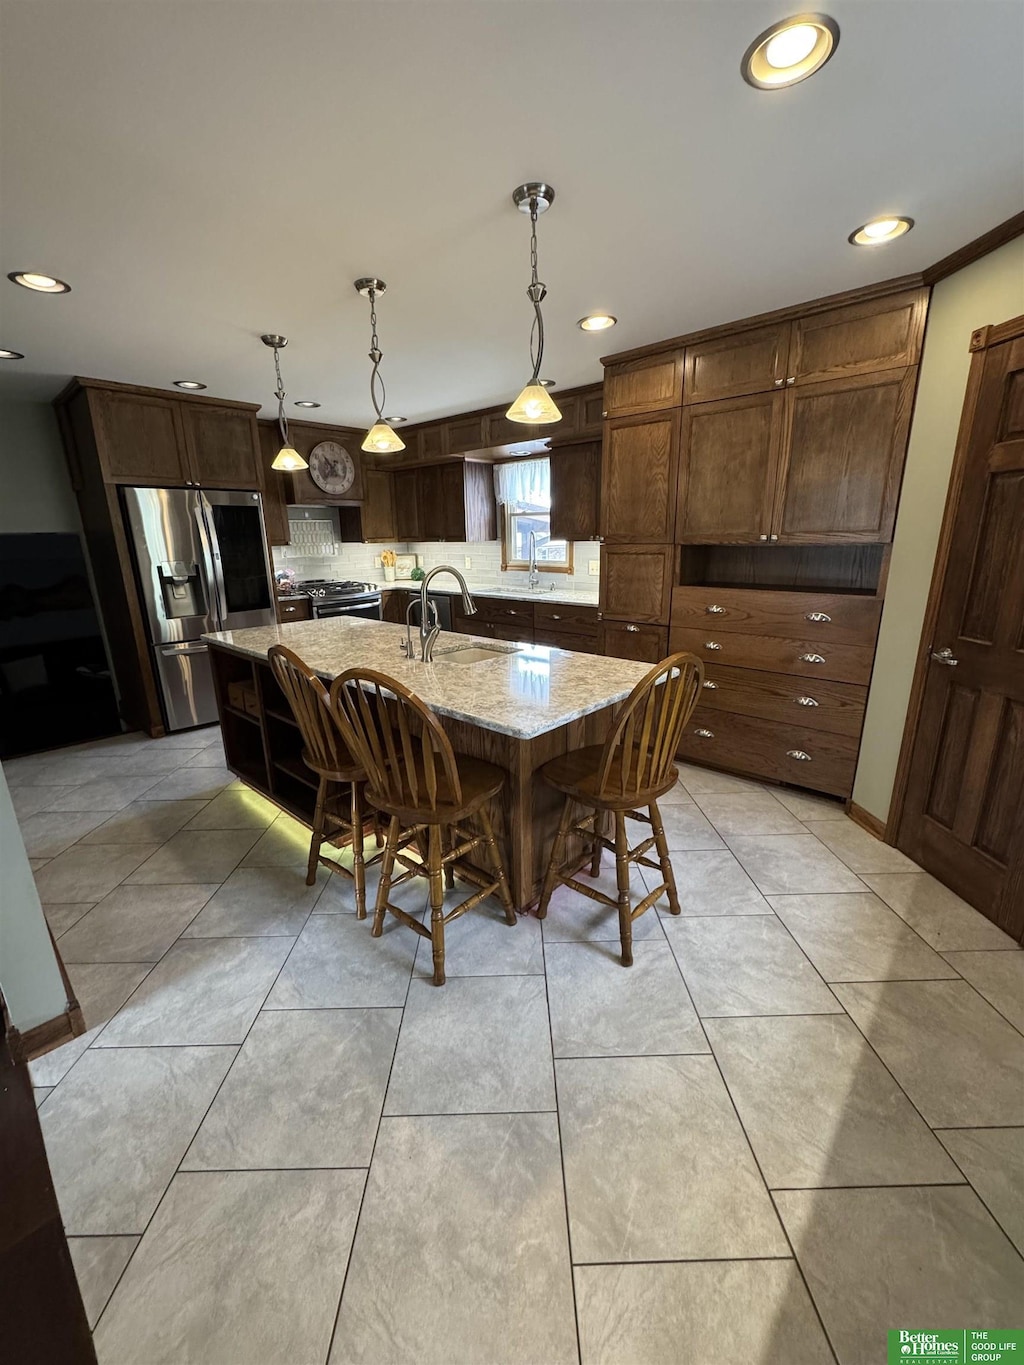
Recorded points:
(172,650)
(211,566)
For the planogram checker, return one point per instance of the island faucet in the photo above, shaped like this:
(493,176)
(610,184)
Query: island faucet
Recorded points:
(428,634)
(534,578)
(407,645)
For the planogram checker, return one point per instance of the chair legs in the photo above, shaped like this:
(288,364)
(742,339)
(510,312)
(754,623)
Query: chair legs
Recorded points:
(319,818)
(358,862)
(491,844)
(551,877)
(661,843)
(622,883)
(435,854)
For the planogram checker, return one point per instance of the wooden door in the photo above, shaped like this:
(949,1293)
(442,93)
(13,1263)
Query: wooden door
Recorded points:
(223,446)
(576,491)
(881,334)
(636,582)
(963,817)
(378,509)
(638,477)
(728,470)
(730,366)
(842,458)
(139,438)
(408,519)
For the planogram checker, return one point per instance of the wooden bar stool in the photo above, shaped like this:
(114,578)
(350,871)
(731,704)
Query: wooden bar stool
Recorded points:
(339,798)
(630,770)
(414,777)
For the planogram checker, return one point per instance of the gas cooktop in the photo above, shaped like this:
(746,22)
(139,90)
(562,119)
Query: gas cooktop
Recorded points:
(334,590)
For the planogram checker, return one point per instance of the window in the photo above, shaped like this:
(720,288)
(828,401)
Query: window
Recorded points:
(523,490)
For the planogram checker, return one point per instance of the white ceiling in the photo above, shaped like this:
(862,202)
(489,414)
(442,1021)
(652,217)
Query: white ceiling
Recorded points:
(201,171)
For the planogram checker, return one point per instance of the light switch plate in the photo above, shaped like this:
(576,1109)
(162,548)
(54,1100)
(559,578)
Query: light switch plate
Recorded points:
(594,567)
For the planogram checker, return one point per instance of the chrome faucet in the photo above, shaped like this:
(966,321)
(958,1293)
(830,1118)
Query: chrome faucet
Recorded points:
(407,645)
(534,578)
(428,634)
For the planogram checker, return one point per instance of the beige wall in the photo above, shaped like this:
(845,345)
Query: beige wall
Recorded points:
(990,290)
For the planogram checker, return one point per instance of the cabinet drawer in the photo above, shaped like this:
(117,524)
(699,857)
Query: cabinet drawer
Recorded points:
(806,658)
(826,618)
(558,616)
(580,642)
(298,609)
(773,749)
(837,708)
(502,611)
(630,640)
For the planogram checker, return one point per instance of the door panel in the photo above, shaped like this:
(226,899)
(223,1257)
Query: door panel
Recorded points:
(881,334)
(728,470)
(749,362)
(644,385)
(139,438)
(963,818)
(636,582)
(638,477)
(223,446)
(844,448)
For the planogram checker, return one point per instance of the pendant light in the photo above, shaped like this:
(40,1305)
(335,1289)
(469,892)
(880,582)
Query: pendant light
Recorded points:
(534,406)
(381,439)
(287,460)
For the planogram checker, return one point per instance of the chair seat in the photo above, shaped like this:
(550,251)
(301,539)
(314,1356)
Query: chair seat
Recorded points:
(344,773)
(480,781)
(577,774)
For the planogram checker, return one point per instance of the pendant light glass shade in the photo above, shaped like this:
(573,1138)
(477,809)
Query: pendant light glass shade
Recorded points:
(534,406)
(288,460)
(383,439)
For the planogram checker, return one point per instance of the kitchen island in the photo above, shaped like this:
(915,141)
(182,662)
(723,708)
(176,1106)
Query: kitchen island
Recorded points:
(517,707)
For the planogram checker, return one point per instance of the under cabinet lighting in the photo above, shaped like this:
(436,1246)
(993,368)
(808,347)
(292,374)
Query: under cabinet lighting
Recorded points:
(790,51)
(42,284)
(880,230)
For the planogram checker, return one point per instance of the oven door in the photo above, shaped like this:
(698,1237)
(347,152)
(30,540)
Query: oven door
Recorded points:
(367,607)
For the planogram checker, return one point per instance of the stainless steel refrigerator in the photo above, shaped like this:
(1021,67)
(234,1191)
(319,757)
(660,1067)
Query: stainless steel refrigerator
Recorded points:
(202,565)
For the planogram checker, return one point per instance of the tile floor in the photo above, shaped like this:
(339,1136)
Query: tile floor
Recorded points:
(796,1122)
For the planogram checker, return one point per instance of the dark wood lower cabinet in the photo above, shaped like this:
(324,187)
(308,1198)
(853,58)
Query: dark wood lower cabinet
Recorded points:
(631,640)
(771,749)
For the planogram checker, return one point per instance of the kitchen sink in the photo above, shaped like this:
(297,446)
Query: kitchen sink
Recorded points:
(472,654)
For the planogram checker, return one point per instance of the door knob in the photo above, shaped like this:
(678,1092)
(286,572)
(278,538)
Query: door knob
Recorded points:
(945,656)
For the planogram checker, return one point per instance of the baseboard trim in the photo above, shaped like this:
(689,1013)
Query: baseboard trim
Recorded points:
(36,1042)
(866,820)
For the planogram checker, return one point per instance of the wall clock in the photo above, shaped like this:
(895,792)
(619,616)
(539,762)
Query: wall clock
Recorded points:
(332,468)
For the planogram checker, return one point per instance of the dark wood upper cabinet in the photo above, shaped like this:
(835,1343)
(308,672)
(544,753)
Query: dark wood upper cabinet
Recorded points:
(636,582)
(638,477)
(223,446)
(378,509)
(453,501)
(591,411)
(576,491)
(306,436)
(644,385)
(842,458)
(728,469)
(431,442)
(731,366)
(139,438)
(466,433)
(881,334)
(407,504)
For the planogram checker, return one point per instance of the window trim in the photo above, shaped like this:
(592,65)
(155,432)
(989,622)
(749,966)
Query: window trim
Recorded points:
(510,565)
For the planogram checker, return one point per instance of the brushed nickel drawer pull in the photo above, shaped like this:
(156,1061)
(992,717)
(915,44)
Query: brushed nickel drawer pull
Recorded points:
(555,616)
(715,610)
(791,379)
(704,734)
(806,701)
(818,616)
(712,644)
(798,754)
(634,630)
(709,684)
(812,658)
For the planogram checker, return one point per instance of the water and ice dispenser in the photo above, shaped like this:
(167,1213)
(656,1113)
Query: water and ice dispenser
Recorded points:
(182,589)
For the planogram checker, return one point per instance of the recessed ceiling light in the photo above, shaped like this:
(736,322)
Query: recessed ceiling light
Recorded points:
(596,322)
(306,403)
(880,230)
(11,355)
(548,383)
(42,284)
(396,421)
(790,51)
(188,384)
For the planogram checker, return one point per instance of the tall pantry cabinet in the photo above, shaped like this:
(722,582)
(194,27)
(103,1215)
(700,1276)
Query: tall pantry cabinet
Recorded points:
(750,479)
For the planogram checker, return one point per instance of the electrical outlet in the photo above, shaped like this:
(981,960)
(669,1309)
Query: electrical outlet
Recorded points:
(594,568)
(376,561)
(469,562)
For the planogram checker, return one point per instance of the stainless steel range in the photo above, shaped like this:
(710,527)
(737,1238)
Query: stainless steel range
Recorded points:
(342,598)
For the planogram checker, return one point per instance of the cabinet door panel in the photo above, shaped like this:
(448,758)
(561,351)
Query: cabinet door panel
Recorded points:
(728,469)
(728,367)
(139,438)
(644,385)
(408,519)
(431,442)
(843,458)
(638,477)
(636,582)
(576,491)
(223,446)
(378,509)
(466,433)
(476,491)
(628,640)
(882,334)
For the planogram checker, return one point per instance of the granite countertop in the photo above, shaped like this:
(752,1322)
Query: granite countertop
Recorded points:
(525,690)
(566,596)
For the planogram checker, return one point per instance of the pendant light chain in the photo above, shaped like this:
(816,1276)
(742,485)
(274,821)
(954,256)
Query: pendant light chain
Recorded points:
(282,420)
(376,356)
(536,293)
